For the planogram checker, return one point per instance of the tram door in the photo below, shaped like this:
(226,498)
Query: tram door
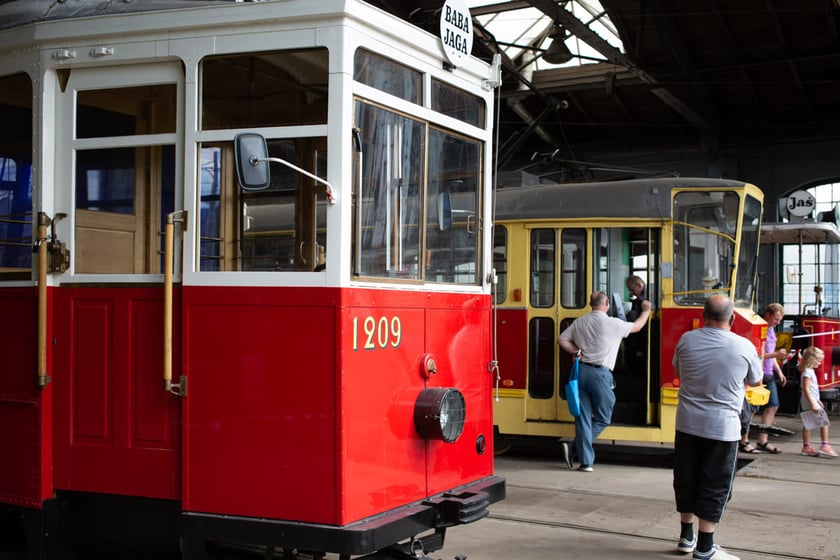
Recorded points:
(566,266)
(116,429)
(621,252)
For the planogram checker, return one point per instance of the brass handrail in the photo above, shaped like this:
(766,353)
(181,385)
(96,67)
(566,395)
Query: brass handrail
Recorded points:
(172,218)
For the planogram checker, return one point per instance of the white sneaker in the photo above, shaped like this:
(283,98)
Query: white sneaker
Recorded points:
(716,553)
(687,546)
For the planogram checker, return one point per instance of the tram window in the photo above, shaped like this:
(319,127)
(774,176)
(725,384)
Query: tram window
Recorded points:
(390,204)
(451,254)
(122,198)
(281,228)
(704,244)
(276,88)
(500,251)
(541,348)
(105,180)
(543,259)
(386,75)
(415,176)
(573,274)
(15,177)
(748,254)
(126,111)
(456,103)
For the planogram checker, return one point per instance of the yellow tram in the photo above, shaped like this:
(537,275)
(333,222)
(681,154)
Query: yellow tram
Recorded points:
(554,244)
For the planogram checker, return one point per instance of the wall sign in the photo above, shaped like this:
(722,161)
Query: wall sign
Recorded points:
(801,203)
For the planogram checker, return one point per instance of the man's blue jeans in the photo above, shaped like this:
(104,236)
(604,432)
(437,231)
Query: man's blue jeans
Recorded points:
(597,399)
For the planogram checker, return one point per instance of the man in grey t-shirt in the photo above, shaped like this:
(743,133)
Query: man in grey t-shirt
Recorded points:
(713,364)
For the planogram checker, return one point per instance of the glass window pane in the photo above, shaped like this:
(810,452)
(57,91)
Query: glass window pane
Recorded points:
(573,280)
(543,258)
(386,75)
(541,348)
(454,172)
(277,88)
(210,226)
(122,198)
(457,103)
(500,251)
(704,244)
(15,177)
(126,111)
(105,180)
(748,256)
(282,228)
(391,202)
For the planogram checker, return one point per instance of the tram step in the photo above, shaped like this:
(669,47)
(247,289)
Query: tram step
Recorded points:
(772,430)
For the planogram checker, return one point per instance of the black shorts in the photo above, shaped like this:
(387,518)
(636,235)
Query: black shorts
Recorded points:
(704,470)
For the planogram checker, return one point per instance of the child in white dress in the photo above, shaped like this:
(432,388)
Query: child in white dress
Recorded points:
(813,414)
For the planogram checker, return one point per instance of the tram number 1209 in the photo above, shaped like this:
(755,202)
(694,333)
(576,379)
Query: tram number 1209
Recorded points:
(376,333)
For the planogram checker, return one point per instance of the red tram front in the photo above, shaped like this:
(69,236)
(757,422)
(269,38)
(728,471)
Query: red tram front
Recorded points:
(814,324)
(299,361)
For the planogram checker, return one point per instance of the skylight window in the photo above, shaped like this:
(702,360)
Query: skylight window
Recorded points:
(524,33)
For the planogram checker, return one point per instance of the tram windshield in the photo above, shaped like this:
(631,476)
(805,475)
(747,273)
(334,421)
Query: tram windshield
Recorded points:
(745,284)
(705,234)
(282,228)
(407,171)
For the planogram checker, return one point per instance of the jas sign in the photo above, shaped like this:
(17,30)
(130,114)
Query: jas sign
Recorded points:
(801,203)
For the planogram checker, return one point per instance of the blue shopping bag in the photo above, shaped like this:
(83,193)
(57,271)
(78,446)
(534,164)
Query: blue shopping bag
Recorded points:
(572,391)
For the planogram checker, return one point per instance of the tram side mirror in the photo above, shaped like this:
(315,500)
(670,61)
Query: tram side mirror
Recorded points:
(252,168)
(444,207)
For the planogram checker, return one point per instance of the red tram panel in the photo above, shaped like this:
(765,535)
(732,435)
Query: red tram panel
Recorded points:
(512,327)
(119,432)
(25,412)
(299,360)
(330,377)
(825,333)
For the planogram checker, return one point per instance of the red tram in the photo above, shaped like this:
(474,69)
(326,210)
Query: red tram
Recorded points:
(814,324)
(302,361)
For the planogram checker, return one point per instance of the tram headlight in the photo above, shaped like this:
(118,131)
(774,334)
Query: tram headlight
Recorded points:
(440,413)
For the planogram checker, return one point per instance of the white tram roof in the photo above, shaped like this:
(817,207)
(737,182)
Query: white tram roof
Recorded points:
(21,12)
(634,198)
(791,233)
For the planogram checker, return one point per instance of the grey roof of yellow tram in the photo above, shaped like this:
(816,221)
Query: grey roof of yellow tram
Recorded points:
(637,198)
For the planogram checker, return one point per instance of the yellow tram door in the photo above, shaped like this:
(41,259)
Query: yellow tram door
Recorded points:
(565,266)
(618,253)
(556,295)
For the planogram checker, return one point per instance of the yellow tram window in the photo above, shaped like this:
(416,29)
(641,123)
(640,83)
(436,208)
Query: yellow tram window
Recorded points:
(500,251)
(543,259)
(573,290)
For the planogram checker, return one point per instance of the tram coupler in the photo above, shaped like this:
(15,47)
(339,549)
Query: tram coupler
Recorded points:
(415,549)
